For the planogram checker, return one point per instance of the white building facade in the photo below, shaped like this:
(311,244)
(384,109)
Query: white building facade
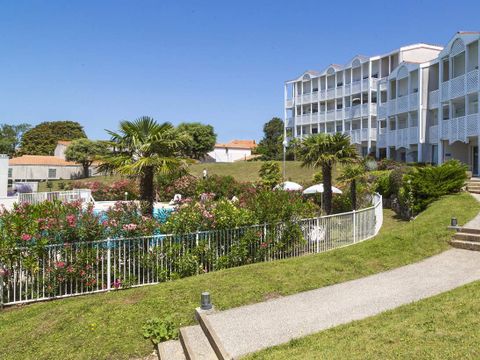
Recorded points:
(418,103)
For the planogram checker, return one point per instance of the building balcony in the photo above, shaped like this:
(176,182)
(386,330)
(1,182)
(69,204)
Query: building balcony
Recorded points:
(330,115)
(403,104)
(359,135)
(356,87)
(347,89)
(289,123)
(461,85)
(401,138)
(382,111)
(289,103)
(331,93)
(433,134)
(433,98)
(460,128)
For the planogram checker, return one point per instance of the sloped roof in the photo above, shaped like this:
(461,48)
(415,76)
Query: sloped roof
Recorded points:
(238,144)
(40,160)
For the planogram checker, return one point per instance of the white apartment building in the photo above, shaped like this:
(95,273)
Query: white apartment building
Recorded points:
(417,103)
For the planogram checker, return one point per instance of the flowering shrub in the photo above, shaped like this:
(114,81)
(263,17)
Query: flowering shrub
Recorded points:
(110,192)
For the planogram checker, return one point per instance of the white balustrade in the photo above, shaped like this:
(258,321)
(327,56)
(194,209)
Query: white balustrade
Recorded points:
(356,87)
(433,99)
(289,103)
(330,115)
(413,101)
(402,104)
(457,86)
(433,134)
(382,111)
(473,81)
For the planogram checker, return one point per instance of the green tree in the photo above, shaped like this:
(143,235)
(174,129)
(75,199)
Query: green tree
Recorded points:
(203,139)
(85,152)
(10,137)
(324,151)
(353,173)
(271,146)
(270,174)
(143,148)
(42,139)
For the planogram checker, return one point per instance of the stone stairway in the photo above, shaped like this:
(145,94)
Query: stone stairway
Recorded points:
(467,238)
(473,185)
(197,342)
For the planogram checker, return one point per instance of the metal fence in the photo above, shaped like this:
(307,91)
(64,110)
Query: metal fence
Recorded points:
(62,270)
(64,196)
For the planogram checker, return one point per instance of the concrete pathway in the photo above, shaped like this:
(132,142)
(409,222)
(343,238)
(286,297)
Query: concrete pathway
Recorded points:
(475,222)
(247,329)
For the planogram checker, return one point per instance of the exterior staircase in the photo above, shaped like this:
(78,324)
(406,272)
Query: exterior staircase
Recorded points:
(467,238)
(473,185)
(197,342)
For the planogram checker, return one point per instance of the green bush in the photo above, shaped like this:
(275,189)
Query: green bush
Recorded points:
(157,331)
(426,184)
(270,174)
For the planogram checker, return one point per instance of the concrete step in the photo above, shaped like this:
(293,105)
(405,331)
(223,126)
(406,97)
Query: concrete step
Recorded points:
(474,191)
(209,331)
(474,180)
(469,230)
(171,350)
(473,187)
(467,245)
(195,343)
(467,237)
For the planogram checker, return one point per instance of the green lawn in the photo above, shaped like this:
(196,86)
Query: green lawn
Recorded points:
(108,325)
(445,326)
(242,171)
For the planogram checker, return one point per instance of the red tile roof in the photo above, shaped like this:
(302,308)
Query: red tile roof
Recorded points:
(40,160)
(238,144)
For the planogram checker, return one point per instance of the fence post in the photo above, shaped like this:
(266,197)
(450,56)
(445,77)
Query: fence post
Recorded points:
(318,235)
(354,227)
(109,254)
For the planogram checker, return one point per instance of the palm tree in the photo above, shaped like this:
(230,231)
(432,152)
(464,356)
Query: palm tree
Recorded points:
(353,173)
(143,148)
(324,151)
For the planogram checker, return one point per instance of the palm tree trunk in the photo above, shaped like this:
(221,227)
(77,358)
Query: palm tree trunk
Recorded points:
(146,190)
(353,194)
(327,188)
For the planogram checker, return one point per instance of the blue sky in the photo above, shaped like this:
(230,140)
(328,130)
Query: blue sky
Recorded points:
(217,62)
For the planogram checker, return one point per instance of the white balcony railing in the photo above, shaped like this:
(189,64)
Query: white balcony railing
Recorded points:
(413,101)
(339,114)
(433,134)
(359,135)
(289,103)
(356,111)
(402,104)
(401,137)
(330,115)
(330,93)
(392,106)
(290,122)
(460,128)
(382,140)
(373,109)
(382,111)
(433,100)
(356,87)
(347,89)
(461,85)
(473,81)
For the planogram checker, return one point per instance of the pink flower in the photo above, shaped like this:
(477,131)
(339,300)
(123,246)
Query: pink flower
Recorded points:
(71,220)
(60,264)
(26,237)
(263,245)
(70,269)
(117,283)
(130,227)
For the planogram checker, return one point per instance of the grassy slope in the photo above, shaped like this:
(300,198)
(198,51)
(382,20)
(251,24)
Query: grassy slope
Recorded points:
(242,171)
(441,327)
(108,325)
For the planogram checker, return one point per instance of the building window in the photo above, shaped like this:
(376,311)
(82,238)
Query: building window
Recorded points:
(10,172)
(52,173)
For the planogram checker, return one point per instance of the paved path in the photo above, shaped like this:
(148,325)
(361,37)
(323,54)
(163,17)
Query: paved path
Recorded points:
(475,222)
(254,327)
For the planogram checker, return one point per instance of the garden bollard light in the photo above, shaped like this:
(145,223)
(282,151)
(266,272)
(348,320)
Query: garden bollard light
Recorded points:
(206,303)
(453,222)
(126,195)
